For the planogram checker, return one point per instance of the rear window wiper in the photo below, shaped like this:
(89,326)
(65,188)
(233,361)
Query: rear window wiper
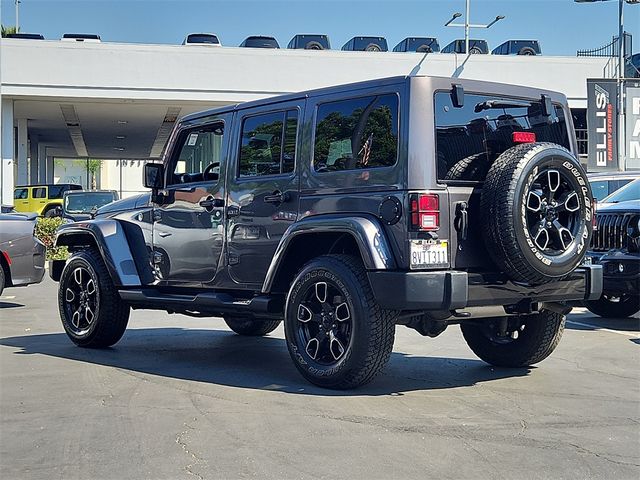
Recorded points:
(489,104)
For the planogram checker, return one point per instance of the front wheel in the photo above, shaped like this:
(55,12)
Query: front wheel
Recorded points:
(93,314)
(516,341)
(609,306)
(337,335)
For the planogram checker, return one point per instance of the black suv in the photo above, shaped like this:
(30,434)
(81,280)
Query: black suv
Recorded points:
(346,211)
(616,246)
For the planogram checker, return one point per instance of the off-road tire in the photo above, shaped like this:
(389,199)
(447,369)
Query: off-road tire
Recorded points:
(473,167)
(250,327)
(539,338)
(526,51)
(504,208)
(373,327)
(605,307)
(112,314)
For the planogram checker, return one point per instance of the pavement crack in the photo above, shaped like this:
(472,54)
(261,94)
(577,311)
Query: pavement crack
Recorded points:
(196,459)
(603,457)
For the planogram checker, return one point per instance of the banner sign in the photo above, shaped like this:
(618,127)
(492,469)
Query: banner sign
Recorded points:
(602,118)
(632,113)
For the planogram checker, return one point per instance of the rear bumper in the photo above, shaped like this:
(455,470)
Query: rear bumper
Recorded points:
(451,290)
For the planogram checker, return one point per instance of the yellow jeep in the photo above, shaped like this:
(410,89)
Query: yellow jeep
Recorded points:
(45,200)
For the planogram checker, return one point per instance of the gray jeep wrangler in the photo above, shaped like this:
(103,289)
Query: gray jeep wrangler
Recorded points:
(346,211)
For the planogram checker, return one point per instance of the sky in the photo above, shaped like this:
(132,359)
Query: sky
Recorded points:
(561,26)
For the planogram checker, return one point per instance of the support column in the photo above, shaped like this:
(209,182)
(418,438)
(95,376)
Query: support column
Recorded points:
(33,159)
(7,143)
(42,163)
(23,177)
(49,177)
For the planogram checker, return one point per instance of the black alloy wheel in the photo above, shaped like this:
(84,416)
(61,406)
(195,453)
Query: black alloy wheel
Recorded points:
(324,322)
(553,212)
(82,300)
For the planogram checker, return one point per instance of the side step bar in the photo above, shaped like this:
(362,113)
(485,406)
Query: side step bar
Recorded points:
(206,302)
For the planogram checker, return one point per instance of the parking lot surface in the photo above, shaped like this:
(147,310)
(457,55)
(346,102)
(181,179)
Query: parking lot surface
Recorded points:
(180,397)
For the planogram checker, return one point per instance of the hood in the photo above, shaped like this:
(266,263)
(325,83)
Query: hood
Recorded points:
(629,206)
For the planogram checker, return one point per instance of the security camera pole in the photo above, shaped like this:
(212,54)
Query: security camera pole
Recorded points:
(467,26)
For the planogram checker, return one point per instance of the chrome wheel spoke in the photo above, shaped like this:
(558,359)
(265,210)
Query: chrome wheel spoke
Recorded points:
(314,346)
(534,201)
(69,295)
(88,315)
(75,319)
(541,238)
(553,180)
(91,287)
(564,235)
(304,314)
(77,276)
(321,291)
(342,313)
(335,346)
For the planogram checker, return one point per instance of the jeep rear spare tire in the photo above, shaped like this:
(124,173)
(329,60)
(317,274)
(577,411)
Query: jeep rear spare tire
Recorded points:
(537,211)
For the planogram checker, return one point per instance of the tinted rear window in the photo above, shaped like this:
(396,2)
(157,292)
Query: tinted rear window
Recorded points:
(469,139)
(199,38)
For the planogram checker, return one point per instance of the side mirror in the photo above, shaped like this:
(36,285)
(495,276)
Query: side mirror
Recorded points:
(154,176)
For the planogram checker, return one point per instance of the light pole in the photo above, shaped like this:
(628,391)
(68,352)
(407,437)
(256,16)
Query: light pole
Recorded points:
(467,26)
(621,114)
(17,15)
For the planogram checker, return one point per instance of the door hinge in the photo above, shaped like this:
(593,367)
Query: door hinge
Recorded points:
(233,211)
(233,259)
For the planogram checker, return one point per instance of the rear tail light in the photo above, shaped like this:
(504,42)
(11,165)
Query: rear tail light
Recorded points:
(425,212)
(523,137)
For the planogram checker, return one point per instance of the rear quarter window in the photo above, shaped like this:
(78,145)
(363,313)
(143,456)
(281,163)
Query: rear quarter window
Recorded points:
(356,133)
(469,139)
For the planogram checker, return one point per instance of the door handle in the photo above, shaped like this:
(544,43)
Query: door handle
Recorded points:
(277,197)
(210,203)
(164,234)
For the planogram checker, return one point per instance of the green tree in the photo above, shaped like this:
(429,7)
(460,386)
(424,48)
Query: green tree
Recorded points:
(7,30)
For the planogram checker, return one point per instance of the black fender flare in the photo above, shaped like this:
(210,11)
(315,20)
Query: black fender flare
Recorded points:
(110,238)
(367,232)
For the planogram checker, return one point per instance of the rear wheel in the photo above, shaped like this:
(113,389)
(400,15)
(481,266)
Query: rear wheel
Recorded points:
(92,312)
(516,341)
(251,327)
(337,335)
(610,306)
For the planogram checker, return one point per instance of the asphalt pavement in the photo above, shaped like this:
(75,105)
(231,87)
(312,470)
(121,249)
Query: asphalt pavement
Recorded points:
(183,398)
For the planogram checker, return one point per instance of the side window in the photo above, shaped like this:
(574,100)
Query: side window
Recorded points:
(200,154)
(56,191)
(600,189)
(470,139)
(356,133)
(268,144)
(20,194)
(40,192)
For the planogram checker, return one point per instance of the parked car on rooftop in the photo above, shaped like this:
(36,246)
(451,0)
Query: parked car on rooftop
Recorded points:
(260,41)
(518,47)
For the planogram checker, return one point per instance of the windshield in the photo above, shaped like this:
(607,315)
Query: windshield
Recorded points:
(631,191)
(87,202)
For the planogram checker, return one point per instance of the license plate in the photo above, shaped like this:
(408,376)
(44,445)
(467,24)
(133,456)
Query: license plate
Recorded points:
(427,253)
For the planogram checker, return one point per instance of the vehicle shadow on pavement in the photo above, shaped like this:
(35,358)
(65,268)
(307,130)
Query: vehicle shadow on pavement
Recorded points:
(223,358)
(10,305)
(588,321)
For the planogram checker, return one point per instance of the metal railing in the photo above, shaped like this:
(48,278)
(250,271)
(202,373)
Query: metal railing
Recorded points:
(610,49)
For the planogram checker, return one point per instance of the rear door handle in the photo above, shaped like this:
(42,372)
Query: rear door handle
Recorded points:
(277,197)
(210,203)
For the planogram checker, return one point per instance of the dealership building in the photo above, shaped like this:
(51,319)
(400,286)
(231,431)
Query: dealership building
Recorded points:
(66,102)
